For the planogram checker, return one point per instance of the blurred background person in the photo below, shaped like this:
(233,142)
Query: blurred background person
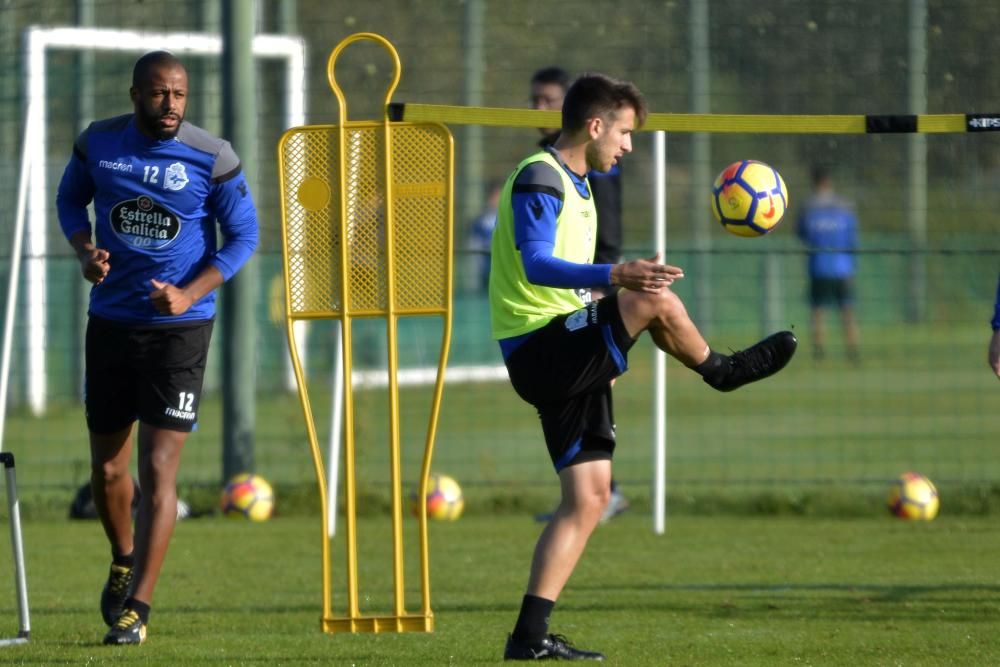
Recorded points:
(479,236)
(828,226)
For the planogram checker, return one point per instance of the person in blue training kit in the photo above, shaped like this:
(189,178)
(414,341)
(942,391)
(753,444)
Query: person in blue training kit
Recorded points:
(158,185)
(829,228)
(994,349)
(562,348)
(548,90)
(478,240)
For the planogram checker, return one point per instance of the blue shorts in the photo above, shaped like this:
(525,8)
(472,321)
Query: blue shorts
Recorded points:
(565,370)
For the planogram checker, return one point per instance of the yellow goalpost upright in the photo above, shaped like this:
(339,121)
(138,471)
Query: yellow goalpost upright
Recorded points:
(367,212)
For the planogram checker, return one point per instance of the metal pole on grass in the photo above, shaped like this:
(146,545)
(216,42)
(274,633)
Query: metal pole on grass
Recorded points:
(80,291)
(239,323)
(30,130)
(916,153)
(336,429)
(701,170)
(17,548)
(352,180)
(659,356)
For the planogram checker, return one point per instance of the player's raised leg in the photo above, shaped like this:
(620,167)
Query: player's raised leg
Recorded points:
(664,316)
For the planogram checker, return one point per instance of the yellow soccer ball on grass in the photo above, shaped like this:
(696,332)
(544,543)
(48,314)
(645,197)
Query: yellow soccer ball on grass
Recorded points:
(248,496)
(914,497)
(444,500)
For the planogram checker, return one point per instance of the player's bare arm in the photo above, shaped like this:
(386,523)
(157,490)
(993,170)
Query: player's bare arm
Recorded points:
(94,263)
(173,300)
(645,275)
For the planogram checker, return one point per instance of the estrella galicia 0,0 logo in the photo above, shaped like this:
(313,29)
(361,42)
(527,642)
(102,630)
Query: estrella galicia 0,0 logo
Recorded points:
(144,224)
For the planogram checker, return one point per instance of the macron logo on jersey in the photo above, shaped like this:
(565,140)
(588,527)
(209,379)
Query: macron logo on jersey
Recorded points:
(115,166)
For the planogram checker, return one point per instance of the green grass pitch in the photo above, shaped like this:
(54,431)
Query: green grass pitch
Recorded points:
(712,591)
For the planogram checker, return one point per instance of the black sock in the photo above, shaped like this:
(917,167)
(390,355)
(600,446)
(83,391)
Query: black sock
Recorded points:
(140,608)
(123,561)
(533,621)
(714,369)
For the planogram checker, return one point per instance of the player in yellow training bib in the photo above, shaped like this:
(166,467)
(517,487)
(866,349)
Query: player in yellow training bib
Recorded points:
(562,349)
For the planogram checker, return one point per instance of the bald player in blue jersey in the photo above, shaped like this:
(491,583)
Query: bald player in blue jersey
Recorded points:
(161,188)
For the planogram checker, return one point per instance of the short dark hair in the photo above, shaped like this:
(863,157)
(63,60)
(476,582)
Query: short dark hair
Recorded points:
(553,74)
(140,72)
(820,174)
(594,95)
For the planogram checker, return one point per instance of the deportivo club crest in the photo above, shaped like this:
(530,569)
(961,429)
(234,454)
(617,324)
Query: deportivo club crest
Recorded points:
(176,177)
(577,320)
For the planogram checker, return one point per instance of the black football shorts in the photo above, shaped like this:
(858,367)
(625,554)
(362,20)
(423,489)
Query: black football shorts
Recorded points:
(151,374)
(831,292)
(565,370)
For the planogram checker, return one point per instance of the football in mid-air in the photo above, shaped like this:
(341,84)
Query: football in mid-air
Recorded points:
(444,498)
(913,496)
(749,198)
(248,496)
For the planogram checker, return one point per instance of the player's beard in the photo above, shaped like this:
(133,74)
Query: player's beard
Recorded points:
(151,122)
